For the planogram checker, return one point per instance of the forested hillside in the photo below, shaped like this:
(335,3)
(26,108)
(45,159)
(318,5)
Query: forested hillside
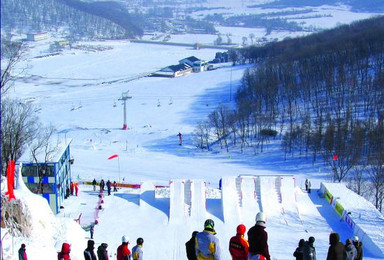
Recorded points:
(324,94)
(52,15)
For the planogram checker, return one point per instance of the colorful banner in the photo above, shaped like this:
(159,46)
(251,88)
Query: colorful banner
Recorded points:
(112,156)
(10,180)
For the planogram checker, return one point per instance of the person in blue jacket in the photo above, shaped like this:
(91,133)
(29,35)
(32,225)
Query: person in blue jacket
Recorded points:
(207,244)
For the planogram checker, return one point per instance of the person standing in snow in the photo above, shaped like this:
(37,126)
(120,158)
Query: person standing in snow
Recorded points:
(102,184)
(298,254)
(76,185)
(89,254)
(336,250)
(92,230)
(114,186)
(309,250)
(207,246)
(102,252)
(258,239)
(238,245)
(123,252)
(94,184)
(137,250)
(359,248)
(64,253)
(190,247)
(180,138)
(350,250)
(109,186)
(22,253)
(308,185)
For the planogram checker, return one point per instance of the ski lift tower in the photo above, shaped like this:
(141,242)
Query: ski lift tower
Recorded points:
(124,97)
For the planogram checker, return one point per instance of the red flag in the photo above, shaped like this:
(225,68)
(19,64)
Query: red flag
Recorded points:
(335,157)
(112,156)
(10,179)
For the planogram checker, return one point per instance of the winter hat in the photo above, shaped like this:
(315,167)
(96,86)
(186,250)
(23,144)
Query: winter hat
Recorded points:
(348,242)
(260,217)
(240,229)
(91,244)
(105,245)
(125,239)
(140,241)
(23,246)
(356,238)
(209,224)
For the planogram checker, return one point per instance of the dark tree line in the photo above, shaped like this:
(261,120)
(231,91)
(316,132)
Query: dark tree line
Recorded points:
(25,16)
(324,94)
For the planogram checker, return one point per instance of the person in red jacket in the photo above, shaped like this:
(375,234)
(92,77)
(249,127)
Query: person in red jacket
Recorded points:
(238,245)
(123,252)
(64,253)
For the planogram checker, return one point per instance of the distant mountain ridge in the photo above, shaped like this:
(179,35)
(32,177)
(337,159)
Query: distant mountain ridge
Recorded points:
(109,10)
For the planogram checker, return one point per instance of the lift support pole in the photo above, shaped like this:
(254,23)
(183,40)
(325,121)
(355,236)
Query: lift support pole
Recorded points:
(124,97)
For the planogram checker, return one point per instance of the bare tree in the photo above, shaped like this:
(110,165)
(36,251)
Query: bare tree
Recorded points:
(19,126)
(11,54)
(202,134)
(376,174)
(42,151)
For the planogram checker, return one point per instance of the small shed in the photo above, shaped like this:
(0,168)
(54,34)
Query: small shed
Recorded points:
(37,36)
(50,178)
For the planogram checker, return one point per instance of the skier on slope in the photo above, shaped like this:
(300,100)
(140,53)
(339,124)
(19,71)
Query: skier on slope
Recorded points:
(238,245)
(180,138)
(207,245)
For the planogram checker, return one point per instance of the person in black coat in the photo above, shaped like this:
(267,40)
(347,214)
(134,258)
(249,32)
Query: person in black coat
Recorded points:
(102,252)
(258,238)
(336,250)
(88,252)
(190,247)
(299,250)
(309,250)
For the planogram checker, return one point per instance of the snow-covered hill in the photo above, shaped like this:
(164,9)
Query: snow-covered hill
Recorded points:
(149,155)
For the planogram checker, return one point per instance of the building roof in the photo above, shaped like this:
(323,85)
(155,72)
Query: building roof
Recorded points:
(178,67)
(191,59)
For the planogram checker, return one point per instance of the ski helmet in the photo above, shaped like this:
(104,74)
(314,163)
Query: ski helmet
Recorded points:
(209,224)
(125,239)
(260,217)
(140,241)
(240,229)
